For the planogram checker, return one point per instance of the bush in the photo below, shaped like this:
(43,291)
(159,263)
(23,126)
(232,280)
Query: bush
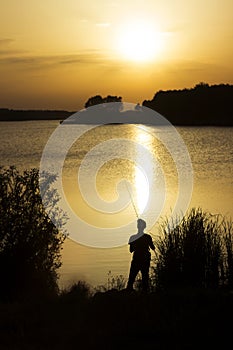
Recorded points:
(195,253)
(78,292)
(29,242)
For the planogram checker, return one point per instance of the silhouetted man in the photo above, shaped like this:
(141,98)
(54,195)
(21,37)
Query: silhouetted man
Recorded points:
(140,245)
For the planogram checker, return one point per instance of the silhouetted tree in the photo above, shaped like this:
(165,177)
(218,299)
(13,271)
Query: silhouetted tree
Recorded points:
(110,98)
(95,100)
(201,85)
(30,243)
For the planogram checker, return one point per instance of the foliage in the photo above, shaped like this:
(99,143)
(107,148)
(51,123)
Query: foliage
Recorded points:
(77,292)
(117,282)
(29,241)
(195,253)
(228,253)
(95,100)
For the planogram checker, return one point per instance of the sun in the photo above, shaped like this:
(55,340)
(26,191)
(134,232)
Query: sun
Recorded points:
(139,41)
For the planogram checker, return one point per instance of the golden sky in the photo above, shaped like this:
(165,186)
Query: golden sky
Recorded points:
(55,54)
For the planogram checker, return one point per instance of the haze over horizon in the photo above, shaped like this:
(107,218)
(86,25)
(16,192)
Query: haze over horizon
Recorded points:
(56,54)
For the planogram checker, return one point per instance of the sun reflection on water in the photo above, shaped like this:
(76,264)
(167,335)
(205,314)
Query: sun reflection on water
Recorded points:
(141,189)
(141,183)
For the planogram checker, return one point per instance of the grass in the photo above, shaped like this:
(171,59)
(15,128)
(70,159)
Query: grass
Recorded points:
(198,252)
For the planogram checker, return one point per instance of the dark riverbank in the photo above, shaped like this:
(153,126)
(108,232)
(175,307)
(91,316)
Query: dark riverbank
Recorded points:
(182,319)
(24,115)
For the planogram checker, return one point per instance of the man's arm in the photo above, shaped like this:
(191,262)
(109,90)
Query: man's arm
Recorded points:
(132,243)
(151,244)
(131,247)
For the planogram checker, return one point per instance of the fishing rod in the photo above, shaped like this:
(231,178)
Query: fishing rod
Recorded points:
(131,199)
(130,196)
(133,204)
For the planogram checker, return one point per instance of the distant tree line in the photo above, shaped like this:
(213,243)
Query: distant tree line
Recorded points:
(201,105)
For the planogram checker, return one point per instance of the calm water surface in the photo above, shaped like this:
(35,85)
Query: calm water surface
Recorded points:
(211,152)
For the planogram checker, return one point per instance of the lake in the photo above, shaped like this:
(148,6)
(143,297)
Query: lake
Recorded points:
(211,153)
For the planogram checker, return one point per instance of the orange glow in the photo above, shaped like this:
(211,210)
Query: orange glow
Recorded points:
(139,41)
(59,54)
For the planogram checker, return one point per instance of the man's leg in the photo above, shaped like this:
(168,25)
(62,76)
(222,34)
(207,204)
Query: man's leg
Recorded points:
(145,275)
(134,269)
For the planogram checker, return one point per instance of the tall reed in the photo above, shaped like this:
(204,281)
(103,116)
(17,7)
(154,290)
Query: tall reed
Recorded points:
(197,252)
